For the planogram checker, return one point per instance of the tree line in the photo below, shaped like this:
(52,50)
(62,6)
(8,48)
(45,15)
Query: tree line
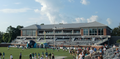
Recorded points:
(10,34)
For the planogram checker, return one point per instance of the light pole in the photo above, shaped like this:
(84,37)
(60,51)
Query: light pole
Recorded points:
(54,35)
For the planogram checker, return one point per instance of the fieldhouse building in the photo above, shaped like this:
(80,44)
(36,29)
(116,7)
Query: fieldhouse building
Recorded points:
(69,34)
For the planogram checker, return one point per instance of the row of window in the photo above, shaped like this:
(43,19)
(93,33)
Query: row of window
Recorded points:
(90,31)
(93,31)
(59,31)
(29,32)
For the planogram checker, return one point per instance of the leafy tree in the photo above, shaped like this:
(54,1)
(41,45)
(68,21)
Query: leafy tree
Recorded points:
(42,24)
(13,32)
(5,37)
(1,35)
(116,31)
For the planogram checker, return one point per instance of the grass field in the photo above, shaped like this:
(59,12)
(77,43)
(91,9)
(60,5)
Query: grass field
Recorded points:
(25,53)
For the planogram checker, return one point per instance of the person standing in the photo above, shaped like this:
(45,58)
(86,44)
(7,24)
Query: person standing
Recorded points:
(53,56)
(80,56)
(35,55)
(3,55)
(42,53)
(38,55)
(0,55)
(46,55)
(30,56)
(49,55)
(11,57)
(20,57)
(91,52)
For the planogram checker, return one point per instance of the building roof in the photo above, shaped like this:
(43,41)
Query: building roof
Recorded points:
(60,26)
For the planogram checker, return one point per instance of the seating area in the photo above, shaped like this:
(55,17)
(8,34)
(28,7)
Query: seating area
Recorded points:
(65,41)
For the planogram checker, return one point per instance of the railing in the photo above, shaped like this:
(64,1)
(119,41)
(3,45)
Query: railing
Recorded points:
(57,33)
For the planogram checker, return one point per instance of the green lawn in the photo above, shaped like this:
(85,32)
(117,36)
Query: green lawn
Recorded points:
(25,53)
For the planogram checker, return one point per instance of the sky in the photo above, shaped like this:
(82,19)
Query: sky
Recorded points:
(29,12)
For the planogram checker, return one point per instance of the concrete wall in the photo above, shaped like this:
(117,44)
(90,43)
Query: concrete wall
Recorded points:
(114,39)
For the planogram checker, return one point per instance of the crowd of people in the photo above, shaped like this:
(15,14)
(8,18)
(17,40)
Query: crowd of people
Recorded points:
(37,55)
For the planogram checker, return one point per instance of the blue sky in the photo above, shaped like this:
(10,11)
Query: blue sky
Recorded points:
(28,12)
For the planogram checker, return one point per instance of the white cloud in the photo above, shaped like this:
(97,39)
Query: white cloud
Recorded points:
(37,10)
(71,0)
(17,3)
(109,21)
(92,18)
(14,10)
(80,20)
(85,2)
(51,9)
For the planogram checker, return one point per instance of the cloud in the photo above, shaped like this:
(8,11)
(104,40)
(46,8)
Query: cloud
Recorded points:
(92,18)
(109,21)
(37,10)
(80,20)
(14,10)
(84,2)
(71,0)
(17,3)
(51,9)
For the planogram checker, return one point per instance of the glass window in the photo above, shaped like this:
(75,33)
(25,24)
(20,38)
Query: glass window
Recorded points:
(58,31)
(76,31)
(85,31)
(24,32)
(34,32)
(100,31)
(29,32)
(67,31)
(92,31)
(49,31)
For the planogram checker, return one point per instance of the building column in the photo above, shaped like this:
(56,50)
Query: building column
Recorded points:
(104,31)
(21,32)
(62,31)
(72,31)
(97,31)
(36,33)
(88,31)
(81,32)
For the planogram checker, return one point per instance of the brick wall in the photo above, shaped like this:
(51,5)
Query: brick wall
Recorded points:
(21,32)
(81,32)
(104,31)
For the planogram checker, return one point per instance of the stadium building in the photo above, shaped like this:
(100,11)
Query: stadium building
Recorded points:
(69,34)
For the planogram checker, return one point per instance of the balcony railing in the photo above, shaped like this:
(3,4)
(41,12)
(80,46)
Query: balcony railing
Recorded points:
(57,33)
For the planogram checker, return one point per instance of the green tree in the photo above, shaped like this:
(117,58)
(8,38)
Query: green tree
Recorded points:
(42,24)
(1,35)
(5,37)
(13,32)
(116,31)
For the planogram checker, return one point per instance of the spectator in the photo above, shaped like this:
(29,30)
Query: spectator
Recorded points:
(35,56)
(80,56)
(30,56)
(0,55)
(11,57)
(53,56)
(38,55)
(91,52)
(41,57)
(42,53)
(3,55)
(20,57)
(46,55)
(49,55)
(95,49)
